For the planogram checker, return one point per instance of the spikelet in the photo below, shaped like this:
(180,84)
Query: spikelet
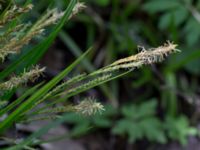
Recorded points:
(89,106)
(150,56)
(17,30)
(13,13)
(15,44)
(15,81)
(51,17)
(77,8)
(145,57)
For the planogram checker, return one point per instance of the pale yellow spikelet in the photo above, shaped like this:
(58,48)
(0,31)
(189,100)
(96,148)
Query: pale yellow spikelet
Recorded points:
(89,106)
(152,55)
(144,57)
(77,8)
(51,17)
(14,12)
(14,45)
(15,81)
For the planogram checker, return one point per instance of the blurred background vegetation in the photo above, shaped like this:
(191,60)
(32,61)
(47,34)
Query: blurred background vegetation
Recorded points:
(155,107)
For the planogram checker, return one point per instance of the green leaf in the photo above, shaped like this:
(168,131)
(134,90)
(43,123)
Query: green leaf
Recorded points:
(179,129)
(154,6)
(177,16)
(140,111)
(180,15)
(152,129)
(102,122)
(134,133)
(80,129)
(127,127)
(122,127)
(147,109)
(129,111)
(165,20)
(188,59)
(140,121)
(192,31)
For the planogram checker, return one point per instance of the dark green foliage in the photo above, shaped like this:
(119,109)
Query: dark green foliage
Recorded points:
(137,122)
(176,13)
(140,122)
(179,129)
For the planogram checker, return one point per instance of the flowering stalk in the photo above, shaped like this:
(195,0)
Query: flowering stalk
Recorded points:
(145,57)
(89,106)
(15,81)
(107,73)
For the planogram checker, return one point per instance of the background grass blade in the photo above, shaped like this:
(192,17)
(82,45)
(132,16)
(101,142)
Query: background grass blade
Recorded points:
(40,132)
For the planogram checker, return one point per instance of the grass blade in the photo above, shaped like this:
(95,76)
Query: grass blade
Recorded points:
(30,101)
(40,132)
(19,100)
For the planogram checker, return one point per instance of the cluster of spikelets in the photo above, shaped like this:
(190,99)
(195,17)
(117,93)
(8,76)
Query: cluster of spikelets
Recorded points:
(13,39)
(87,107)
(84,81)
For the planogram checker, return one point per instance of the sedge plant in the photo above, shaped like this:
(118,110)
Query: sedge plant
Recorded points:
(54,94)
